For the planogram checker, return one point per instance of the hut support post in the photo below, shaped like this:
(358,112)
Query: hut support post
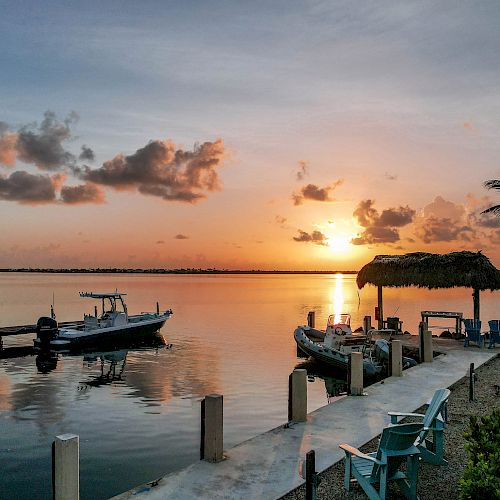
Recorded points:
(297,396)
(475,296)
(380,308)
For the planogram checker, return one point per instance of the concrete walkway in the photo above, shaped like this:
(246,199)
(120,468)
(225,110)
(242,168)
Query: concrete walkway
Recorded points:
(267,466)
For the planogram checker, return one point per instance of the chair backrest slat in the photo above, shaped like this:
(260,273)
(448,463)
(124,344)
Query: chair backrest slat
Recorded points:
(397,438)
(435,406)
(494,325)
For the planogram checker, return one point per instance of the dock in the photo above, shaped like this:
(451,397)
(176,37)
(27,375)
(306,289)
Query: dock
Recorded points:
(267,466)
(6,331)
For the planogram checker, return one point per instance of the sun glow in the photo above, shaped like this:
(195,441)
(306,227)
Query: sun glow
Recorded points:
(339,243)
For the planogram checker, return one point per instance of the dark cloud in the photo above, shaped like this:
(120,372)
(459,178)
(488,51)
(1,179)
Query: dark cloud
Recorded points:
(42,144)
(434,229)
(303,170)
(27,188)
(396,217)
(380,228)
(87,154)
(280,220)
(181,237)
(159,169)
(160,242)
(376,234)
(316,237)
(390,177)
(84,193)
(314,192)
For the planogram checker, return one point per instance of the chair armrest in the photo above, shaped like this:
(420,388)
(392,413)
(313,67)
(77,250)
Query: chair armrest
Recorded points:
(354,451)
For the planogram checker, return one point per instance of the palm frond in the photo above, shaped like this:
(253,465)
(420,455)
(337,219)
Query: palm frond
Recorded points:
(492,210)
(492,184)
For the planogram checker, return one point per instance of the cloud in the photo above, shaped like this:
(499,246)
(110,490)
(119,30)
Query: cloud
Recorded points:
(280,220)
(42,145)
(159,169)
(316,237)
(7,146)
(443,209)
(84,193)
(86,154)
(160,242)
(27,188)
(314,192)
(434,229)
(374,235)
(181,237)
(390,177)
(380,228)
(303,170)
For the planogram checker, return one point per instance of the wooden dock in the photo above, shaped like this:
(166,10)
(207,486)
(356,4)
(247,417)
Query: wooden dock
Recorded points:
(6,331)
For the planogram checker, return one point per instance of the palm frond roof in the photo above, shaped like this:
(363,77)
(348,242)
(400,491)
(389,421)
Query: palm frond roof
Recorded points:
(429,270)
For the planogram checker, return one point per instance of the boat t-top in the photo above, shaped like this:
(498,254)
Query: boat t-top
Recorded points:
(114,320)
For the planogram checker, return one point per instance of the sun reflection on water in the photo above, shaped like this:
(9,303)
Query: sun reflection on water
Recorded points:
(338,297)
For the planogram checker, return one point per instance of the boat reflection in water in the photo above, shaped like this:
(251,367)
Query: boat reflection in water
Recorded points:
(111,355)
(335,386)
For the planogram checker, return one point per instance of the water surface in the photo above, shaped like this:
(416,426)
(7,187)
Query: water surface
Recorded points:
(137,408)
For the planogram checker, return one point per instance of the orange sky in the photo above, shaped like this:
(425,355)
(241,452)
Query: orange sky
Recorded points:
(314,143)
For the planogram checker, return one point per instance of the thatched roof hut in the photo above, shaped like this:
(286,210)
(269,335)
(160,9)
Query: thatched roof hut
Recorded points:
(463,269)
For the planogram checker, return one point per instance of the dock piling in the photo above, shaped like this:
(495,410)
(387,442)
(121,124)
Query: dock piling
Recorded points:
(66,467)
(297,396)
(397,358)
(211,445)
(428,357)
(311,319)
(356,385)
(367,324)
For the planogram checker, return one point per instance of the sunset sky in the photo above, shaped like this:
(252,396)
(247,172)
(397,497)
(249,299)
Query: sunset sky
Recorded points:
(271,135)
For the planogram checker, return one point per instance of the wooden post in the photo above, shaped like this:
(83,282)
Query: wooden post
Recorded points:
(311,319)
(367,324)
(397,358)
(297,396)
(428,355)
(356,373)
(311,476)
(211,446)
(421,329)
(475,297)
(471,382)
(66,467)
(380,308)
(157,308)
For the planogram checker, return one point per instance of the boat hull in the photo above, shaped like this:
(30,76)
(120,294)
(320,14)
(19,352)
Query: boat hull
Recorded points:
(329,356)
(67,339)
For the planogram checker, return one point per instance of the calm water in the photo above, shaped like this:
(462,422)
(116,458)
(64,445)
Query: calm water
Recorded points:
(137,409)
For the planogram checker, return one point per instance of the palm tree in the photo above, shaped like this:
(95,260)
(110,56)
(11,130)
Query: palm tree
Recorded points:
(495,209)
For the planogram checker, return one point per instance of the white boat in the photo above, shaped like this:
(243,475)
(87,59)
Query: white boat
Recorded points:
(334,345)
(114,321)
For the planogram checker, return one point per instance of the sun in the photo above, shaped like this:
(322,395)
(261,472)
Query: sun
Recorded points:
(339,243)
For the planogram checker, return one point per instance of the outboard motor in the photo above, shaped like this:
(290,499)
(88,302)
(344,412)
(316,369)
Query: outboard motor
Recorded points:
(46,330)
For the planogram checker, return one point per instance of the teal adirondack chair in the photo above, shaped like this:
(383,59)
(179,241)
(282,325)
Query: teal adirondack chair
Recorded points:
(431,451)
(473,332)
(369,469)
(494,332)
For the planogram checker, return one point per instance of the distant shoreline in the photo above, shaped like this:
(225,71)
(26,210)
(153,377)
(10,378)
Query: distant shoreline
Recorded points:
(163,271)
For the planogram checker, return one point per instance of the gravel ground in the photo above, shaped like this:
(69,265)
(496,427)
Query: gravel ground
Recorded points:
(435,482)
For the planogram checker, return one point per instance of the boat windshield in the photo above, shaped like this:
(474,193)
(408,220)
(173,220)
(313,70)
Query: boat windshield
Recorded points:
(333,319)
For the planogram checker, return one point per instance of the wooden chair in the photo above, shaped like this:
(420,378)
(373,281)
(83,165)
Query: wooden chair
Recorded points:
(369,469)
(494,325)
(433,420)
(473,332)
